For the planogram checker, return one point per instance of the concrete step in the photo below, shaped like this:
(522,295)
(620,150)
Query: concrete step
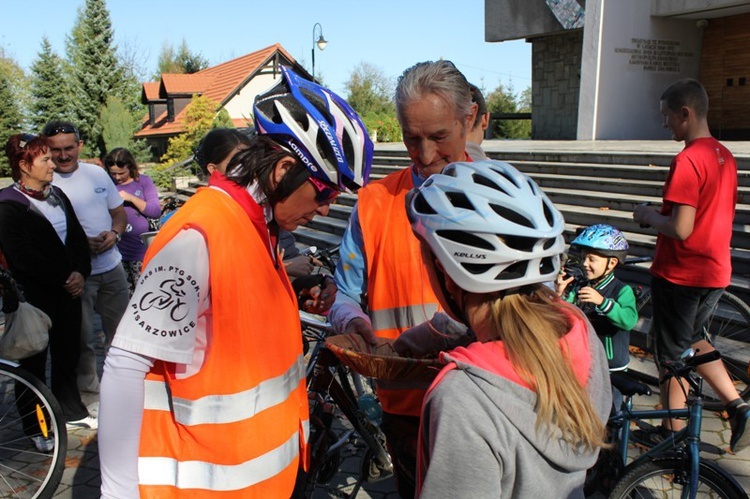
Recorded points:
(312,237)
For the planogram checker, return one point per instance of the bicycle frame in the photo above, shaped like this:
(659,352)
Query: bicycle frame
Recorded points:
(690,435)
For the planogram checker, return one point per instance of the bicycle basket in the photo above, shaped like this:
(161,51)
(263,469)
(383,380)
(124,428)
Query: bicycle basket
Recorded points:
(381,361)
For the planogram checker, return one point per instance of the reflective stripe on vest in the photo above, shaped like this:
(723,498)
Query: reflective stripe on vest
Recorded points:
(216,477)
(402,317)
(219,409)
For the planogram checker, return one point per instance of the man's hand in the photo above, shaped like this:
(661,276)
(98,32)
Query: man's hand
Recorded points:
(590,295)
(299,265)
(363,328)
(103,242)
(74,284)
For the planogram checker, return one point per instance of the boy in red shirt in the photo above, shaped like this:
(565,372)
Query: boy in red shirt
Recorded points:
(692,263)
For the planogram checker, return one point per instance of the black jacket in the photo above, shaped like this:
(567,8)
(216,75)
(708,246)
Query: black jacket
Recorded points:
(39,261)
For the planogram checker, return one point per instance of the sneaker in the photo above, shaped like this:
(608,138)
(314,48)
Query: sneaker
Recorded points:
(43,444)
(87,423)
(740,438)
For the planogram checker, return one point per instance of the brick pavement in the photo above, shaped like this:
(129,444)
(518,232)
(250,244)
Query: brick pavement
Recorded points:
(81,478)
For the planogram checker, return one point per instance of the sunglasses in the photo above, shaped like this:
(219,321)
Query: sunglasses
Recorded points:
(120,164)
(51,132)
(323,193)
(25,139)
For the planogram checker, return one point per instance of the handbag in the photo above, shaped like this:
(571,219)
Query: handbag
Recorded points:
(26,332)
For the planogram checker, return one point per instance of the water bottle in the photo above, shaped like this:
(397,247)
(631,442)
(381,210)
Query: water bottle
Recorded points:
(370,407)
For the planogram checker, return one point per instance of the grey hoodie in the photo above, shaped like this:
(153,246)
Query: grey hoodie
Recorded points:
(478,436)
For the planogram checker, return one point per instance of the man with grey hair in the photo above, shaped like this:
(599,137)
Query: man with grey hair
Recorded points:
(383,288)
(481,124)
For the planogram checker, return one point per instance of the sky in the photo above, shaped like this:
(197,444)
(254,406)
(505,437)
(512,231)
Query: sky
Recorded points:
(391,35)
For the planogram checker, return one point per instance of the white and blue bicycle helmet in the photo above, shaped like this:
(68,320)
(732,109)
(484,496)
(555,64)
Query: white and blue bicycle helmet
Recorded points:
(489,225)
(603,240)
(318,127)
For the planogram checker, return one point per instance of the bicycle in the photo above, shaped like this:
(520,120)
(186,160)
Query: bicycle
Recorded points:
(28,410)
(674,466)
(333,386)
(728,329)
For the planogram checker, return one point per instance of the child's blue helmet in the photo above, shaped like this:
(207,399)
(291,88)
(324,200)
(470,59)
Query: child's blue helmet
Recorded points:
(604,240)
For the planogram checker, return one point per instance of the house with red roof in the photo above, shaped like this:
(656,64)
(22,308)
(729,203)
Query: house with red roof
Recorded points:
(232,84)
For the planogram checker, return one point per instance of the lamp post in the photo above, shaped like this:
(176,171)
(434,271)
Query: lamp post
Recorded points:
(320,42)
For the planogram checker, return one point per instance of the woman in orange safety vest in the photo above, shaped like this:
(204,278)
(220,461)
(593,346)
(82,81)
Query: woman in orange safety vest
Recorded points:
(203,393)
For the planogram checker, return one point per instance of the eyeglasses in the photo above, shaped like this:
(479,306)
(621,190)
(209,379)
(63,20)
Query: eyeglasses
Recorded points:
(120,164)
(323,192)
(51,132)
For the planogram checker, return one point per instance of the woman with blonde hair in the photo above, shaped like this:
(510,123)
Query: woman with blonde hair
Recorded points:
(521,411)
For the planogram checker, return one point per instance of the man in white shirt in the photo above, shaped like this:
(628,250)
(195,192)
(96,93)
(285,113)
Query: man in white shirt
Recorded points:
(100,211)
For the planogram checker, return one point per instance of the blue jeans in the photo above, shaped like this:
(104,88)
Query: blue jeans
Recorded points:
(107,295)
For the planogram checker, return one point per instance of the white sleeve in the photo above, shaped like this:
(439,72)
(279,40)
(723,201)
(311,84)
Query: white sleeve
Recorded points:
(169,304)
(120,419)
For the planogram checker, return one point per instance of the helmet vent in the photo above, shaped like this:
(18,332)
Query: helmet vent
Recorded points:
(519,243)
(466,239)
(476,268)
(549,243)
(515,271)
(319,104)
(547,266)
(422,206)
(548,213)
(459,200)
(512,216)
(482,180)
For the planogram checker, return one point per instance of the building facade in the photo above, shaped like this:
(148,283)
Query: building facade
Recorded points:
(599,66)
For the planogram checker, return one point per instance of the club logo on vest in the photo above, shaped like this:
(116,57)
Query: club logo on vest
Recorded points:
(162,306)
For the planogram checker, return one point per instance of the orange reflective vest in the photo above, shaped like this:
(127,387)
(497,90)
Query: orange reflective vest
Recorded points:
(399,294)
(238,427)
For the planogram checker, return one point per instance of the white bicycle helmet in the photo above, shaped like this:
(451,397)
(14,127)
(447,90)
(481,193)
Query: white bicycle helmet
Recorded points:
(489,225)
(319,127)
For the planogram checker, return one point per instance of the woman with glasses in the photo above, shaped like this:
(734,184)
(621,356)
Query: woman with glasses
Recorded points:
(213,325)
(48,254)
(141,199)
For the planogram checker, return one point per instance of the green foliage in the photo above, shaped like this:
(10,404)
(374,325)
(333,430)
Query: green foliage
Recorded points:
(180,62)
(369,90)
(504,100)
(118,125)
(96,73)
(200,117)
(50,90)
(18,84)
(10,119)
(384,125)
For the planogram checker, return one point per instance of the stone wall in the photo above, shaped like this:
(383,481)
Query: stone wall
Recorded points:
(556,82)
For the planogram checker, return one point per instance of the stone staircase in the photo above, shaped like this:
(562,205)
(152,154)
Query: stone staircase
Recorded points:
(588,188)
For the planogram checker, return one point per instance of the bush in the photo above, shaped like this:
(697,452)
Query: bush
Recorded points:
(386,125)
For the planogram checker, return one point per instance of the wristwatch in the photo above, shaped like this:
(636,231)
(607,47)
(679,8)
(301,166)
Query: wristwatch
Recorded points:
(117,236)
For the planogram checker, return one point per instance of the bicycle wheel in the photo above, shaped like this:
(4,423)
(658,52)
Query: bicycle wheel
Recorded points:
(28,409)
(665,478)
(729,330)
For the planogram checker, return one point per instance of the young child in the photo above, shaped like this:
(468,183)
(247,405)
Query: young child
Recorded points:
(608,302)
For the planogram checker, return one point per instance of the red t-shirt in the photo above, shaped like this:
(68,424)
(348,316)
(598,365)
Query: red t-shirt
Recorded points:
(703,175)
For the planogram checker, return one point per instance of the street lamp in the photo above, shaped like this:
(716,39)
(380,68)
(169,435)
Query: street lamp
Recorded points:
(320,42)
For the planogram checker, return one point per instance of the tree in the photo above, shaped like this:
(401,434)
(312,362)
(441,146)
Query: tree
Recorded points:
(10,119)
(369,90)
(96,72)
(180,62)
(117,123)
(50,91)
(18,84)
(504,100)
